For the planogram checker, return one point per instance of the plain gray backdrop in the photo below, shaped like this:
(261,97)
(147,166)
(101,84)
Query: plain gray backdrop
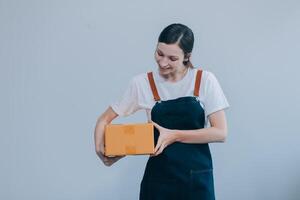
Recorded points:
(62,63)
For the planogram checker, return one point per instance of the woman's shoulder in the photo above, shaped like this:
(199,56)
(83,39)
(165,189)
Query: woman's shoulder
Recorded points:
(208,79)
(140,81)
(206,74)
(140,77)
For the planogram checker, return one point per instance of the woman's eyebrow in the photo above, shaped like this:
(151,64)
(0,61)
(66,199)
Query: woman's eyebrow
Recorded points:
(169,55)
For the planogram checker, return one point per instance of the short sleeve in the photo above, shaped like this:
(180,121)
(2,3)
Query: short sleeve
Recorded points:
(128,103)
(214,98)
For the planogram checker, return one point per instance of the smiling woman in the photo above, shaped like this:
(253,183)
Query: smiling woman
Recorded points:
(186,106)
(173,51)
(170,61)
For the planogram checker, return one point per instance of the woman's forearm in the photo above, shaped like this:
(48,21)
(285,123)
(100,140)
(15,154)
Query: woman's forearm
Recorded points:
(204,135)
(102,121)
(99,134)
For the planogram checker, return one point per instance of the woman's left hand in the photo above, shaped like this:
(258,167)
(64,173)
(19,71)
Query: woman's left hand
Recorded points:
(166,137)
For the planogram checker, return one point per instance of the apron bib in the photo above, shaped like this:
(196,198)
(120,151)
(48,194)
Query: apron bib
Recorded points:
(182,171)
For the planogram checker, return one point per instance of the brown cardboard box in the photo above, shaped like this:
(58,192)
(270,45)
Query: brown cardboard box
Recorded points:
(129,139)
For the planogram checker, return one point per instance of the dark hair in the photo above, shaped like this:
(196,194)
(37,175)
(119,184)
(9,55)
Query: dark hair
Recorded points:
(181,34)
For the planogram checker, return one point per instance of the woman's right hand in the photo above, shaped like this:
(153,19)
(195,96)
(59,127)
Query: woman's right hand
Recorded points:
(103,120)
(108,161)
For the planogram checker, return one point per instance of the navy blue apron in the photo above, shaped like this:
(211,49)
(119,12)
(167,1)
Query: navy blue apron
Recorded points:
(182,171)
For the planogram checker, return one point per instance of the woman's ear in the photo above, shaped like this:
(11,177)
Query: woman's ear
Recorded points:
(187,56)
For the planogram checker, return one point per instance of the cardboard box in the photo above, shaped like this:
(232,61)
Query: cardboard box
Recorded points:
(129,139)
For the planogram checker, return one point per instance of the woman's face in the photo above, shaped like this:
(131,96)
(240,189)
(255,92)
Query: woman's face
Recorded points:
(169,58)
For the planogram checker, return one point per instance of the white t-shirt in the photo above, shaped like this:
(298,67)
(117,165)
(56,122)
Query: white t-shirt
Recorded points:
(138,95)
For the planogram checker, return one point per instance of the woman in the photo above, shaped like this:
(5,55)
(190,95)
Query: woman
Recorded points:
(186,106)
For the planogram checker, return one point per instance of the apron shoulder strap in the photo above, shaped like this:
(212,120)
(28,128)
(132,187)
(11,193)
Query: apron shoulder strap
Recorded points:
(198,82)
(153,86)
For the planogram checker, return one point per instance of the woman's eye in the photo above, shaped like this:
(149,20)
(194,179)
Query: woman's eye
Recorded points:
(160,54)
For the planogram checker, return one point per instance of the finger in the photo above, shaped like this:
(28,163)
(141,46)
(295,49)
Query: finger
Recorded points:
(156,125)
(158,144)
(118,158)
(162,147)
(105,158)
(109,162)
(106,162)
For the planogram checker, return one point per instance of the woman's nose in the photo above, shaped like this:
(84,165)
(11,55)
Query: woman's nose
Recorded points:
(163,62)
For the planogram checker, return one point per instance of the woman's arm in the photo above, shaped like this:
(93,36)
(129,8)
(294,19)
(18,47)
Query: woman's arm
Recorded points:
(216,133)
(102,121)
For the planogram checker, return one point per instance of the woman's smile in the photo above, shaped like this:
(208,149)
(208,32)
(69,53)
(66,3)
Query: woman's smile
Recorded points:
(164,68)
